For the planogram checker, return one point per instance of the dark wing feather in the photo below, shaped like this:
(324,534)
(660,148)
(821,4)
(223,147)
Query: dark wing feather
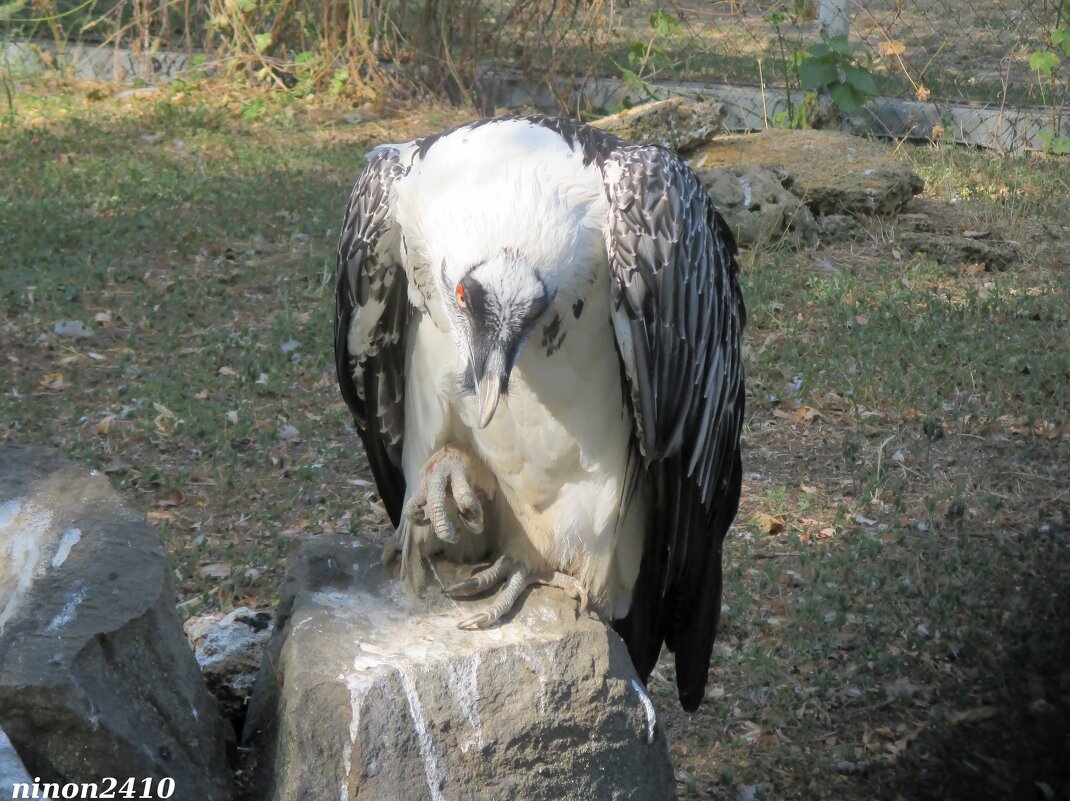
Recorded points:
(371,301)
(679,316)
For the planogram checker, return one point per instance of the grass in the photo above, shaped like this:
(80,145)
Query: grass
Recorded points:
(895,584)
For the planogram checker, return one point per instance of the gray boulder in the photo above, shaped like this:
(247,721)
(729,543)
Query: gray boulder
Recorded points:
(96,678)
(368,694)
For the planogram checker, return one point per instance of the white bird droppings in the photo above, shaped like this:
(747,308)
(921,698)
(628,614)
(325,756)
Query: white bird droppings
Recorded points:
(464,685)
(432,770)
(747,191)
(648,707)
(68,612)
(69,539)
(22,526)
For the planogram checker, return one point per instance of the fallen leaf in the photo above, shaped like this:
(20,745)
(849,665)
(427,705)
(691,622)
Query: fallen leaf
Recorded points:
(104,426)
(215,570)
(53,381)
(769,524)
(800,414)
(977,234)
(174,498)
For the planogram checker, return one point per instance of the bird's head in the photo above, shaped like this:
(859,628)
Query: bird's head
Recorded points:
(493,306)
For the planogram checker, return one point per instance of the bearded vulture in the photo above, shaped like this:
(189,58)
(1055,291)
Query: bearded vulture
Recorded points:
(537,330)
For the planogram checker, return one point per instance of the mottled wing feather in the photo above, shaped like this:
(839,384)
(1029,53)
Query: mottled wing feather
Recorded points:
(678,316)
(371,316)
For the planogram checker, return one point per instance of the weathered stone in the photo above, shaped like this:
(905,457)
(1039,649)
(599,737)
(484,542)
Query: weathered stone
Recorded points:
(915,222)
(833,173)
(96,678)
(229,649)
(671,123)
(368,694)
(837,227)
(759,207)
(950,249)
(11,770)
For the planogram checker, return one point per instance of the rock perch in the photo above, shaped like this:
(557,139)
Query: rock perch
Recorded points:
(367,694)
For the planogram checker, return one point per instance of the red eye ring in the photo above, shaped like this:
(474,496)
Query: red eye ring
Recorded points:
(462,301)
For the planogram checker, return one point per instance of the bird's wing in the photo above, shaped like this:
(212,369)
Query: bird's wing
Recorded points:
(371,316)
(678,316)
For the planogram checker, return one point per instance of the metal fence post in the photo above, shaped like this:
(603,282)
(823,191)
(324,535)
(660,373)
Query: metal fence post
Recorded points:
(834,17)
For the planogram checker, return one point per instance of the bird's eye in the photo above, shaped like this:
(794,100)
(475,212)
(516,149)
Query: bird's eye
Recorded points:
(462,301)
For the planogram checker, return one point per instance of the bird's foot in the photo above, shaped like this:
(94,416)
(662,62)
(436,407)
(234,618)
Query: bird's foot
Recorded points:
(445,482)
(516,577)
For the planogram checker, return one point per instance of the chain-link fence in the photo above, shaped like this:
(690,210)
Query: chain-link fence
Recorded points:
(993,73)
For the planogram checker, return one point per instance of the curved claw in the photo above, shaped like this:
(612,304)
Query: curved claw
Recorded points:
(483,580)
(481,620)
(506,599)
(468,506)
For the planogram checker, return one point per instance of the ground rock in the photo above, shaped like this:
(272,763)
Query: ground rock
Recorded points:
(952,249)
(368,694)
(672,123)
(833,228)
(915,222)
(759,207)
(833,173)
(96,678)
(229,649)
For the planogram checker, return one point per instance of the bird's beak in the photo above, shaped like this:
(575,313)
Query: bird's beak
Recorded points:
(490,390)
(495,374)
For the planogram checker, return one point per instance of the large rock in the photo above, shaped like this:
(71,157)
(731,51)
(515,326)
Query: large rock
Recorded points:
(671,123)
(759,207)
(367,694)
(833,173)
(96,677)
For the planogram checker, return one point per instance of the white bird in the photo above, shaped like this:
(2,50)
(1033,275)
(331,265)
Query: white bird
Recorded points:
(538,332)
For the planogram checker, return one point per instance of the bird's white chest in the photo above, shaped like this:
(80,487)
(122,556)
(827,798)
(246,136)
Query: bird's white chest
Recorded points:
(558,443)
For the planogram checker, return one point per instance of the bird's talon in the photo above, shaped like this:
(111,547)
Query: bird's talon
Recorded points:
(460,588)
(445,477)
(479,621)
